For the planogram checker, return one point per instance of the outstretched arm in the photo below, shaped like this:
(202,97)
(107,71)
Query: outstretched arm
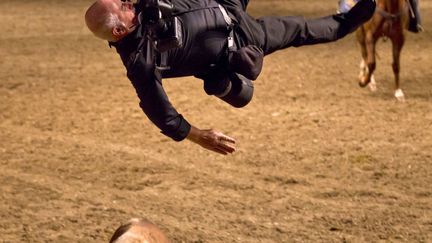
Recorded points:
(157,107)
(212,140)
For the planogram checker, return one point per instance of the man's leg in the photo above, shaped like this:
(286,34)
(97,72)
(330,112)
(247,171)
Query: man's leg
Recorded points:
(415,20)
(283,32)
(233,88)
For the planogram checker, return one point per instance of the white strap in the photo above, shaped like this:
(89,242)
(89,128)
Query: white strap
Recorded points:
(225,15)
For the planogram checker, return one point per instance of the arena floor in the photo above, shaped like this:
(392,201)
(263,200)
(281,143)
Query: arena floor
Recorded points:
(319,159)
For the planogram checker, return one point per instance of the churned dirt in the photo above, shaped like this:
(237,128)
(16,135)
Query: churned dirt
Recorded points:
(319,159)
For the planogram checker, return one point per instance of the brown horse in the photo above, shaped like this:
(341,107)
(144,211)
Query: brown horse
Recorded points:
(390,20)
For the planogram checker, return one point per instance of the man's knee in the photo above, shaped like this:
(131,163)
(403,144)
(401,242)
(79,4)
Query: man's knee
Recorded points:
(235,89)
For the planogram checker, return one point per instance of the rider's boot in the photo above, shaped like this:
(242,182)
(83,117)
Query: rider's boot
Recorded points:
(414,24)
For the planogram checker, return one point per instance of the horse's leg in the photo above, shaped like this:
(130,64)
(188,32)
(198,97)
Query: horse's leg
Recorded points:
(370,42)
(360,33)
(364,69)
(397,43)
(372,84)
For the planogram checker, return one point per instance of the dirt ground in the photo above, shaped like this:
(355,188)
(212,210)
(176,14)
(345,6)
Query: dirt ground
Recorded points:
(319,159)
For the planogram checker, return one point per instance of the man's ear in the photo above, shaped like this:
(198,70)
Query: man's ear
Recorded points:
(119,32)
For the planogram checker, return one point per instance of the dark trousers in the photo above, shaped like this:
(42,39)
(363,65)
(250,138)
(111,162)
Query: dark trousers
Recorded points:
(274,33)
(283,32)
(271,34)
(416,12)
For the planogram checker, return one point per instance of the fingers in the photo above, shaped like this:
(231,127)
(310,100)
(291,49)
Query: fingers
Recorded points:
(215,141)
(223,149)
(224,137)
(225,144)
(227,147)
(219,151)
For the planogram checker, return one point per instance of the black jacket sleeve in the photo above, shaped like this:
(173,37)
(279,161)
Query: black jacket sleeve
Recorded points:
(154,101)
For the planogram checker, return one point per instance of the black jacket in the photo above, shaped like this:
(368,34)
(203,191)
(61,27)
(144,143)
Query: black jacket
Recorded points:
(204,43)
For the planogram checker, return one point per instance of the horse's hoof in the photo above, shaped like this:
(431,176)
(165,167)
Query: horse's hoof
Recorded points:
(363,83)
(399,95)
(372,85)
(365,80)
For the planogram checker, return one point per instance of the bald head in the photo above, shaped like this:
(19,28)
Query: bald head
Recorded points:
(110,19)
(100,20)
(138,231)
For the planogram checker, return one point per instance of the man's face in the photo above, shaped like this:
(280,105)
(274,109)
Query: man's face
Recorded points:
(125,11)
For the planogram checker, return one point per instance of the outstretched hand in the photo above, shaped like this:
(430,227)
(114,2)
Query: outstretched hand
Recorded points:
(212,140)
